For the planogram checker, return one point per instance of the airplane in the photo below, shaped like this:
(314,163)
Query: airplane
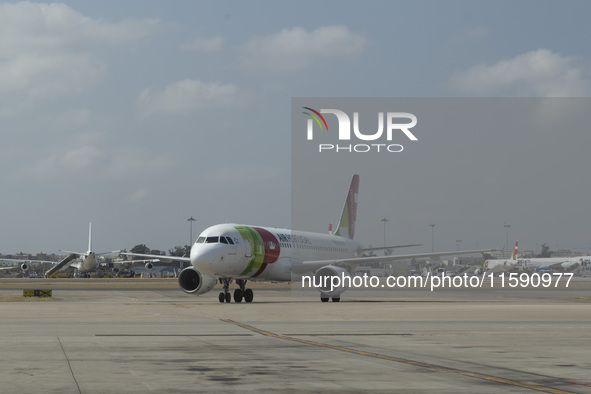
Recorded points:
(241,253)
(502,265)
(556,263)
(87,261)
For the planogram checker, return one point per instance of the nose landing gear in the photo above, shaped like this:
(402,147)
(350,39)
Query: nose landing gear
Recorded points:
(239,294)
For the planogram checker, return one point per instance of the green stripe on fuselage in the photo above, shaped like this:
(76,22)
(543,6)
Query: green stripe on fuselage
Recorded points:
(257,248)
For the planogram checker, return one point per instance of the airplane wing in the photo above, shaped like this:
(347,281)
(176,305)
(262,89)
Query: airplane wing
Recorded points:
(29,261)
(136,261)
(106,253)
(310,266)
(19,262)
(158,257)
(387,247)
(96,254)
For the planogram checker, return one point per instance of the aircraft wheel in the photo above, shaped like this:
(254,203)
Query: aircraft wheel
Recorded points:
(222,297)
(324,299)
(238,295)
(248,295)
(336,299)
(228,297)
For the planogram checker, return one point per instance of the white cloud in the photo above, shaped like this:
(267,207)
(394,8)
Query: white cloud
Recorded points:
(295,48)
(189,95)
(50,50)
(540,73)
(204,44)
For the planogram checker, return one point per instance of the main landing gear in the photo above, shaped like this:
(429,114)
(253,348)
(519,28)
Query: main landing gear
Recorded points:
(239,294)
(325,298)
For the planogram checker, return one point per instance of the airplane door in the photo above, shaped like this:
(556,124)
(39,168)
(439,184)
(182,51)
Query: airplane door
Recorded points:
(248,251)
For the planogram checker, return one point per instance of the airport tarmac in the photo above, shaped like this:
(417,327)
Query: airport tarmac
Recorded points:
(140,335)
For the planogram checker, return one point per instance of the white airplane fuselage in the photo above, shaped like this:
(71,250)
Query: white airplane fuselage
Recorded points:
(87,263)
(499,265)
(565,263)
(263,253)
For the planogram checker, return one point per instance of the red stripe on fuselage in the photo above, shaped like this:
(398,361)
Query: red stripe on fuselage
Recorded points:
(272,248)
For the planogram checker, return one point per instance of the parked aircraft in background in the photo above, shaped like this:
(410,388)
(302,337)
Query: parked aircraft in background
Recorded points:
(522,264)
(553,263)
(82,262)
(236,252)
(502,265)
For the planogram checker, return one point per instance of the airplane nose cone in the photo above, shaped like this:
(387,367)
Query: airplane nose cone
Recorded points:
(205,258)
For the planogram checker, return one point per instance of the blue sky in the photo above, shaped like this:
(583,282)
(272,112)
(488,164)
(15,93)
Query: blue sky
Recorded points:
(136,115)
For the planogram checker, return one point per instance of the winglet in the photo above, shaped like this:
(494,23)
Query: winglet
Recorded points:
(346,227)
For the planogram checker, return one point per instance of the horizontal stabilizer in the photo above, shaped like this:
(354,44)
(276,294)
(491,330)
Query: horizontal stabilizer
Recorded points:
(56,268)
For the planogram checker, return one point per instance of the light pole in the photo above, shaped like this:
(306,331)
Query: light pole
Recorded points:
(384,220)
(458,244)
(432,237)
(190,220)
(507,226)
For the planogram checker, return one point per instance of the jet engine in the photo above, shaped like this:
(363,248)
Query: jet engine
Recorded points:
(332,280)
(149,266)
(194,282)
(25,267)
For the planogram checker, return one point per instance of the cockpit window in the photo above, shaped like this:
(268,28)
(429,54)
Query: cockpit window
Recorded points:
(215,240)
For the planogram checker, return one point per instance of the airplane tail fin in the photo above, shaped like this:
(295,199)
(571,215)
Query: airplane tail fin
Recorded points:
(346,227)
(89,237)
(514,257)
